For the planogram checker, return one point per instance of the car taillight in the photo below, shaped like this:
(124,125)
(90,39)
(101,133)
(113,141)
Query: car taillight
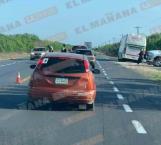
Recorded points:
(86,65)
(40,61)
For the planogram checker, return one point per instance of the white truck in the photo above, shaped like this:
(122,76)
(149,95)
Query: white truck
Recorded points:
(88,45)
(130,46)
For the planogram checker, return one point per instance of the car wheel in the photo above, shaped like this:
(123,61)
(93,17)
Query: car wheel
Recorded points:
(90,107)
(31,105)
(157,62)
(121,60)
(93,66)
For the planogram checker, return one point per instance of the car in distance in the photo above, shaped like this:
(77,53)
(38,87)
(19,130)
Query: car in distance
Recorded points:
(37,52)
(154,57)
(74,48)
(62,77)
(89,55)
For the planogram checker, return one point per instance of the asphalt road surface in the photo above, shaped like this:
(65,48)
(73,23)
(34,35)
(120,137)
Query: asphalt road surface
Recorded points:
(127,110)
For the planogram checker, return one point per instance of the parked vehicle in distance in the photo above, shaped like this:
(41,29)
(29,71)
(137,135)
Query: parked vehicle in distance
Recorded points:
(130,46)
(37,52)
(74,48)
(89,55)
(154,57)
(63,77)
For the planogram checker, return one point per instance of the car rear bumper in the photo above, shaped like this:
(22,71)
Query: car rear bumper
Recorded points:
(92,61)
(35,56)
(71,96)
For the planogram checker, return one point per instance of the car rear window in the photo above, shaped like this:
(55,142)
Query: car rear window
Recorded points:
(62,65)
(84,52)
(39,49)
(78,47)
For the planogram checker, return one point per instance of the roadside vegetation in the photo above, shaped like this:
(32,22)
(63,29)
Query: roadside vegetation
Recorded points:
(109,49)
(148,71)
(153,43)
(24,43)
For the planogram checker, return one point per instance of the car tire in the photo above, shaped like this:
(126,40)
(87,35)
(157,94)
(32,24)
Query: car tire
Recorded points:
(121,60)
(91,107)
(31,105)
(157,62)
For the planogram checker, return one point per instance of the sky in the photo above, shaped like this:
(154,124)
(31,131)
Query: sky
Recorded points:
(71,21)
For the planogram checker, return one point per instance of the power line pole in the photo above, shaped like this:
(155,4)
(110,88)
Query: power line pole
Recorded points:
(138,29)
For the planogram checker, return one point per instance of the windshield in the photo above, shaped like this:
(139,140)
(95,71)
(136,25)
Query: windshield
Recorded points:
(84,52)
(78,47)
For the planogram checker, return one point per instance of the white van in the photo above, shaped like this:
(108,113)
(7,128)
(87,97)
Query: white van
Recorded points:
(130,46)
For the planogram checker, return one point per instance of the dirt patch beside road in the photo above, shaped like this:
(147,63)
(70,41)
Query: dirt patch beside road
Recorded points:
(12,55)
(144,69)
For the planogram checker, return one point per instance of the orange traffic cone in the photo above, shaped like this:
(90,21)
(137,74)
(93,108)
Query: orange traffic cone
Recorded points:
(18,78)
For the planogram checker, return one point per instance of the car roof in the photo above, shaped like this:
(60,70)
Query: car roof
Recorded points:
(67,55)
(155,51)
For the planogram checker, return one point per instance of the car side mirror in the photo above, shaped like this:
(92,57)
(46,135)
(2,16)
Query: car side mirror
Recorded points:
(33,66)
(96,71)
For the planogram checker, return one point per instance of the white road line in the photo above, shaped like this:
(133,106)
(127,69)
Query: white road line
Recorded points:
(105,74)
(119,96)
(115,89)
(127,108)
(138,126)
(111,82)
(97,62)
(7,64)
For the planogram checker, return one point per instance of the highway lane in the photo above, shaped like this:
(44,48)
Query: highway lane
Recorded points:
(143,96)
(112,122)
(10,68)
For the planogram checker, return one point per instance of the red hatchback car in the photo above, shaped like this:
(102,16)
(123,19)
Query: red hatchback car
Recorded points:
(63,77)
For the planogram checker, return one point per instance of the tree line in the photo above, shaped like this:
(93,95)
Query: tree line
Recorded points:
(25,42)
